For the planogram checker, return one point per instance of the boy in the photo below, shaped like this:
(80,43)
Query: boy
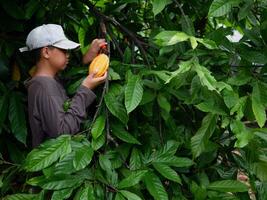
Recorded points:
(46,95)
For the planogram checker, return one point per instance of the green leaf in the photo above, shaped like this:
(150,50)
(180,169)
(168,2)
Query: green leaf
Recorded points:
(86,193)
(105,163)
(183,68)
(47,153)
(155,187)
(167,38)
(98,127)
(116,107)
(21,197)
(257,106)
(159,5)
(133,179)
(30,8)
(164,103)
(167,172)
(62,194)
(228,186)
(205,77)
(133,93)
(173,161)
(99,142)
(135,160)
(219,8)
(122,134)
(83,157)
(259,169)
(17,117)
(119,197)
(242,133)
(13,9)
(56,182)
(130,195)
(200,140)
(261,134)
(193,42)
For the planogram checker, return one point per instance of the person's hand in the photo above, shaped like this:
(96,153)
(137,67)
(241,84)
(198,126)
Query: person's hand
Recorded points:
(91,82)
(93,51)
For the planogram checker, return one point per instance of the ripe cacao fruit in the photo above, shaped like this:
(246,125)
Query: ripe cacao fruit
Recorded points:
(99,65)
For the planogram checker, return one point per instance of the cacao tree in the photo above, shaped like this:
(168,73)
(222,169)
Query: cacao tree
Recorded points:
(182,115)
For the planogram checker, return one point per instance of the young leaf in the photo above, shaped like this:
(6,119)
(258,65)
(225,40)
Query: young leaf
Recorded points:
(83,157)
(228,186)
(119,197)
(155,187)
(133,179)
(98,127)
(167,172)
(133,93)
(47,153)
(257,106)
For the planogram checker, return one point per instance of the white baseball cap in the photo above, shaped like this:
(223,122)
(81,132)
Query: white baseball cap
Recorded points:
(48,35)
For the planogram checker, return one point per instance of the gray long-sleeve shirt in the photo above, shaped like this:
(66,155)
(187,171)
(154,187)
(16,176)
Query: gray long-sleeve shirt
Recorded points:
(47,117)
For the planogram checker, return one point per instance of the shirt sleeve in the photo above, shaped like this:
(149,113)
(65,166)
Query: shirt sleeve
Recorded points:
(55,120)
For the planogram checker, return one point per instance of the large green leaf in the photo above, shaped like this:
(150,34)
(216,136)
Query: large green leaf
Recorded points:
(133,179)
(83,157)
(166,38)
(159,5)
(56,182)
(47,153)
(200,140)
(155,187)
(99,142)
(62,194)
(17,117)
(228,186)
(21,197)
(133,93)
(167,172)
(242,133)
(173,161)
(122,134)
(257,106)
(86,193)
(116,107)
(130,195)
(219,8)
(98,127)
(3,109)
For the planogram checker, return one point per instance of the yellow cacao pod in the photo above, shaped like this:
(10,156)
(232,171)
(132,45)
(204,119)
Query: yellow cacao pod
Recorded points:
(99,65)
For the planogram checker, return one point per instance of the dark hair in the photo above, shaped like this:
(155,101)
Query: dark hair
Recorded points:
(36,54)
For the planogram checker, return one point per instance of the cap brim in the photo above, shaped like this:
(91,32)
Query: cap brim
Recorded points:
(23,49)
(66,44)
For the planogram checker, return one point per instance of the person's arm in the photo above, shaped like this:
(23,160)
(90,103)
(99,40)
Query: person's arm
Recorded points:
(54,119)
(93,51)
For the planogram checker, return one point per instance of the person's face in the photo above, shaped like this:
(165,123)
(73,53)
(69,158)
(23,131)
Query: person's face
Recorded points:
(58,58)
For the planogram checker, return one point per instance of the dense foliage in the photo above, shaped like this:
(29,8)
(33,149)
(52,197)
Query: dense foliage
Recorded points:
(181,117)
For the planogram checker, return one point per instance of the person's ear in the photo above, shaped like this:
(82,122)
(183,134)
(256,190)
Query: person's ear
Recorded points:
(45,52)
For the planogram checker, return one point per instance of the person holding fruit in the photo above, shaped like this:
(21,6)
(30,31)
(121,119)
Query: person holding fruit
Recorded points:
(46,95)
